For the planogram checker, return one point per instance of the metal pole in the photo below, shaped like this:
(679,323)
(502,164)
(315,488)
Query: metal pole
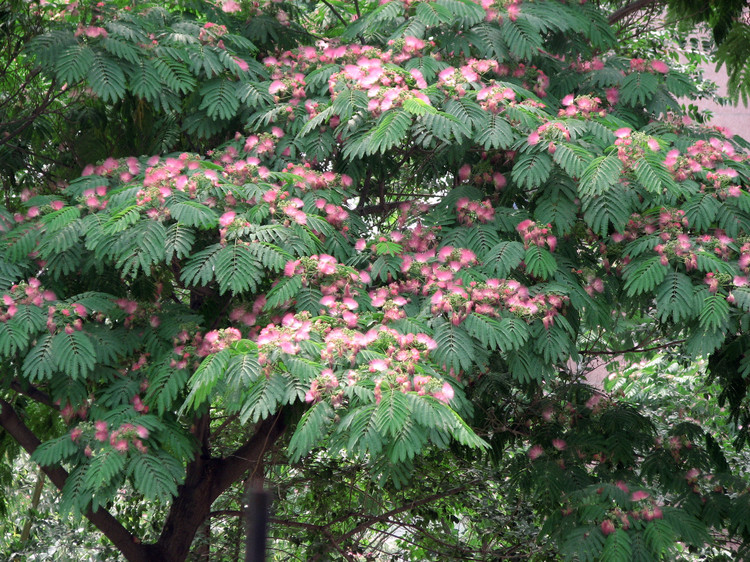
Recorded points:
(256,515)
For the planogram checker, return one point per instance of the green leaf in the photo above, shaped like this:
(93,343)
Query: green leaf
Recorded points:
(643,275)
(74,63)
(675,299)
(571,158)
(539,262)
(392,412)
(106,78)
(178,242)
(283,291)
(219,98)
(156,475)
(199,268)
(638,88)
(455,347)
(494,131)
(523,39)
(40,363)
(617,547)
(237,269)
(532,170)
(600,175)
(105,465)
(714,312)
(432,14)
(310,429)
(74,353)
(654,176)
(205,379)
(192,213)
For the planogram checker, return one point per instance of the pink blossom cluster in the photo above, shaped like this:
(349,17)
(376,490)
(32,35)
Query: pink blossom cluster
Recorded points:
(583,66)
(344,344)
(183,351)
(326,382)
(120,439)
(69,317)
(470,211)
(631,147)
(550,132)
(456,81)
(497,9)
(702,155)
(29,293)
(495,179)
(534,234)
(532,78)
(263,144)
(678,244)
(248,317)
(288,86)
(421,384)
(495,98)
(581,107)
(106,168)
(90,31)
(386,88)
(653,66)
(408,47)
(492,298)
(69,412)
(211,33)
(284,338)
(216,340)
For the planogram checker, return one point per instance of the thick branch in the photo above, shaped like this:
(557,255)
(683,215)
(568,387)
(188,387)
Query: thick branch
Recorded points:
(101,518)
(628,9)
(206,480)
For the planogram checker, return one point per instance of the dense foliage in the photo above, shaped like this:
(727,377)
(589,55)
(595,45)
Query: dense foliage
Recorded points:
(346,244)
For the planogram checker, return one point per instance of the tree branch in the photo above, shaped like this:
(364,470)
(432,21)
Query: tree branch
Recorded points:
(628,9)
(409,506)
(335,12)
(633,349)
(101,518)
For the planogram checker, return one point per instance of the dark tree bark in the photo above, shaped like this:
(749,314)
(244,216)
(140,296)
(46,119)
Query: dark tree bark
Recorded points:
(628,9)
(206,479)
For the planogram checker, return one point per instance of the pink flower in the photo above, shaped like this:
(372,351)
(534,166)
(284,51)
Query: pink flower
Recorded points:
(230,6)
(659,66)
(607,527)
(446,393)
(639,495)
(622,132)
(559,444)
(276,86)
(535,452)
(227,218)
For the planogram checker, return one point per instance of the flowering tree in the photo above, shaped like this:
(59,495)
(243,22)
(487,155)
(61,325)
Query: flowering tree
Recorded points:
(418,224)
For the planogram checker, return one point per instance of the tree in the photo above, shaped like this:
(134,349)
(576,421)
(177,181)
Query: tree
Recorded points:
(416,225)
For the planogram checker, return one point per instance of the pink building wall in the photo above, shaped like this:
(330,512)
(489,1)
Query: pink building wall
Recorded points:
(735,118)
